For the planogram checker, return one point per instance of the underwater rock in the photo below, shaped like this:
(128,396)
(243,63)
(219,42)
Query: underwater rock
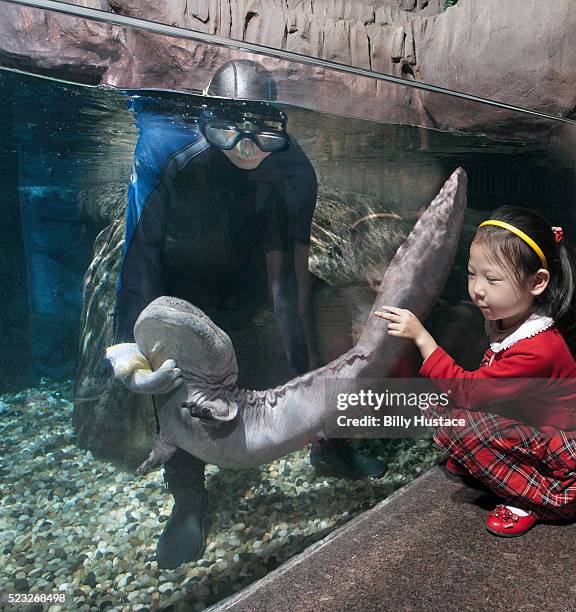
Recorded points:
(101,205)
(563,146)
(516,52)
(354,239)
(108,420)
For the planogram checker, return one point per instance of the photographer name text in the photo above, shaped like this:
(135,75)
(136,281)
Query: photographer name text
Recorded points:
(398,421)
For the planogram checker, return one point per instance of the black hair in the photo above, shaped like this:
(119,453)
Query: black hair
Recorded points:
(509,251)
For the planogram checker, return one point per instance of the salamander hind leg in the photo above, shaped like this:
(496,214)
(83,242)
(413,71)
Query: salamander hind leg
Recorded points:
(162,451)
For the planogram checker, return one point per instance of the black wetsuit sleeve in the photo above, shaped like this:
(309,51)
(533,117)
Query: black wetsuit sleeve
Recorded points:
(302,194)
(142,269)
(288,197)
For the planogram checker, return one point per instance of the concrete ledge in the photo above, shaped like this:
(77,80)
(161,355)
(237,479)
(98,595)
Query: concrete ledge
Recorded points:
(423,548)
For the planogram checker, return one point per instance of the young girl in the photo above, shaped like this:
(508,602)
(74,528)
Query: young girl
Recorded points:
(522,277)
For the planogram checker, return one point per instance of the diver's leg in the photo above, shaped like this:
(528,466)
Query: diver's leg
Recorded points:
(183,537)
(339,457)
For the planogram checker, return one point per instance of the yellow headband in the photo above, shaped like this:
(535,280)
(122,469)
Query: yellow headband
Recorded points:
(521,235)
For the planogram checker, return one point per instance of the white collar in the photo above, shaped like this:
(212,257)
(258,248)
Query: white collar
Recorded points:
(533,325)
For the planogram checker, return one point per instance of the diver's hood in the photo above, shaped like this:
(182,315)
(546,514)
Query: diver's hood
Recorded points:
(243,80)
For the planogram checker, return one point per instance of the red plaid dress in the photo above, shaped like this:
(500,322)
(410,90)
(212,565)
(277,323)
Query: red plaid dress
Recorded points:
(529,460)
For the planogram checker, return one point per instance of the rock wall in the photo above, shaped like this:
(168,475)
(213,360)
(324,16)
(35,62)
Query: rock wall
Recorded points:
(518,52)
(108,420)
(49,43)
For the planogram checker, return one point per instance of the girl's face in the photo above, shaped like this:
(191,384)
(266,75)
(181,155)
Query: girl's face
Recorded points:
(495,292)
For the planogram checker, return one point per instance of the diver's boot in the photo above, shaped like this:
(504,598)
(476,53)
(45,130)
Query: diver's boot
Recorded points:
(183,537)
(337,457)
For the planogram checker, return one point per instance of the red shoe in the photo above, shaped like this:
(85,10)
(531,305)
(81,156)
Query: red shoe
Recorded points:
(455,469)
(505,523)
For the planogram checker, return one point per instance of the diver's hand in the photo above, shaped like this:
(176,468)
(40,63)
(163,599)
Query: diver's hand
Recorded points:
(165,379)
(134,370)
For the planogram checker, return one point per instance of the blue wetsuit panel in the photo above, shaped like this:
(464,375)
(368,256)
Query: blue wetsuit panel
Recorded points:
(160,138)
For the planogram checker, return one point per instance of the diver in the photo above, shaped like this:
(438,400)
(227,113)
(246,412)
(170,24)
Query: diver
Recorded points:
(220,206)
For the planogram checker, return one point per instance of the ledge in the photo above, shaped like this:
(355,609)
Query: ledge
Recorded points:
(423,548)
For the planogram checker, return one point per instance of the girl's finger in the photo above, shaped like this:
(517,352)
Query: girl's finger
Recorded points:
(393,309)
(385,315)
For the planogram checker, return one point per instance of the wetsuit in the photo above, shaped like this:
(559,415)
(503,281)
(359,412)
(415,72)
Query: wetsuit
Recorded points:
(198,228)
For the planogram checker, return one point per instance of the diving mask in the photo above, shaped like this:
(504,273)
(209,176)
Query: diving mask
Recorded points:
(269,136)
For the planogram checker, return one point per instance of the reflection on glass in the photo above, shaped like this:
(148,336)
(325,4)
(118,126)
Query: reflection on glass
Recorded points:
(277,221)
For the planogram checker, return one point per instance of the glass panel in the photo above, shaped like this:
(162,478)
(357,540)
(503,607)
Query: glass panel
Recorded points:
(227,230)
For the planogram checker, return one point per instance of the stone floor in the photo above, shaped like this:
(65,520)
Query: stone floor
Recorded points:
(424,548)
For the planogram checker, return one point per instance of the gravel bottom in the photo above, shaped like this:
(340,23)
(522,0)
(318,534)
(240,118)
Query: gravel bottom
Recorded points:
(72,524)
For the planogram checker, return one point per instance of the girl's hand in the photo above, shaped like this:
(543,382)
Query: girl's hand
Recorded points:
(401,322)
(404,324)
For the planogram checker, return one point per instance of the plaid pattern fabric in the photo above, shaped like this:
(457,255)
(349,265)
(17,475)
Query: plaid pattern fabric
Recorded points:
(528,460)
(529,468)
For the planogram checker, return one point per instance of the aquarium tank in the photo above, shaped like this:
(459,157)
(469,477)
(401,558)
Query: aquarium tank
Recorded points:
(270,192)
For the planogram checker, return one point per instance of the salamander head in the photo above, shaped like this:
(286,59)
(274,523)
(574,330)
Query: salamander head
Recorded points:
(170,328)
